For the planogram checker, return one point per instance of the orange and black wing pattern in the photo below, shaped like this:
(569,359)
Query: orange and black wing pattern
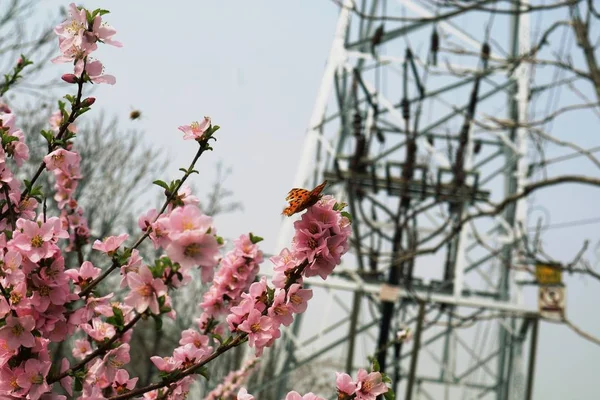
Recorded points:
(301,199)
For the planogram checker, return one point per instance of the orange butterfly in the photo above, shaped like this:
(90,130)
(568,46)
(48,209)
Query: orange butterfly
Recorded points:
(301,199)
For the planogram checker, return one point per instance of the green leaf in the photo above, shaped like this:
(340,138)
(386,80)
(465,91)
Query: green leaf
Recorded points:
(204,372)
(158,321)
(162,184)
(347,215)
(376,367)
(78,385)
(217,337)
(389,395)
(255,239)
(219,239)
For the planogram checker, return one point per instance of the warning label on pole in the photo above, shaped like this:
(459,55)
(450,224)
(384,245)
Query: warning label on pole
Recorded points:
(548,274)
(551,302)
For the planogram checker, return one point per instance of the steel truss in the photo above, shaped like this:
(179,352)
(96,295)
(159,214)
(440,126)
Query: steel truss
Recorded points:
(396,131)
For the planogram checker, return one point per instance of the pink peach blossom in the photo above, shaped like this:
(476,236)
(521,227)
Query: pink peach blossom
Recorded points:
(17,331)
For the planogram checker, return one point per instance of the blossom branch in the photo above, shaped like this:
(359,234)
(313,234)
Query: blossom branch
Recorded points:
(75,107)
(98,352)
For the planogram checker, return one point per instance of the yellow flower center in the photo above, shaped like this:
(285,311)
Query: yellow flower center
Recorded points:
(187,224)
(44,291)
(58,158)
(17,330)
(192,250)
(145,290)
(37,241)
(295,299)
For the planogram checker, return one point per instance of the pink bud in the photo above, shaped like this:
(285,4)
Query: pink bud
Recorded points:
(19,62)
(88,102)
(69,78)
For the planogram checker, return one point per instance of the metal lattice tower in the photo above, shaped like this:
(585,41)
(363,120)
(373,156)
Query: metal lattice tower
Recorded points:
(393,131)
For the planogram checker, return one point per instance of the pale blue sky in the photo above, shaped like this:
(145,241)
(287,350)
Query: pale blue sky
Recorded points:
(255,67)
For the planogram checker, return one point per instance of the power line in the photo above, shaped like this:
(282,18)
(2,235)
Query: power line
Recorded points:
(567,224)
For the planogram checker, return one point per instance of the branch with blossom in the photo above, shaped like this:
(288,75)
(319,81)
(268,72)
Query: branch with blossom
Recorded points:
(42,301)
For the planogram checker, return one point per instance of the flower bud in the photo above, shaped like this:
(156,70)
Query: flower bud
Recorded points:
(19,62)
(88,102)
(69,78)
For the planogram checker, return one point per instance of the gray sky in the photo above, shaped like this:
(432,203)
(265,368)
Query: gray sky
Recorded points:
(255,67)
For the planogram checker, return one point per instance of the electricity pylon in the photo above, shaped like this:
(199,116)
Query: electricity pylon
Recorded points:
(396,131)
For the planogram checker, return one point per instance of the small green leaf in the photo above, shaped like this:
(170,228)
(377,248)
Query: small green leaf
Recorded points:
(255,239)
(158,321)
(204,372)
(78,385)
(389,395)
(347,215)
(162,184)
(376,367)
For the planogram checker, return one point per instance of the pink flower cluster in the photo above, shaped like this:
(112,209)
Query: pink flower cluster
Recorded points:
(187,235)
(366,387)
(78,38)
(65,164)
(293,395)
(321,239)
(237,271)
(232,382)
(194,348)
(13,147)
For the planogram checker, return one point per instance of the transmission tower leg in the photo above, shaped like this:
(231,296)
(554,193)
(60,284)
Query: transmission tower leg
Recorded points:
(415,352)
(532,356)
(352,332)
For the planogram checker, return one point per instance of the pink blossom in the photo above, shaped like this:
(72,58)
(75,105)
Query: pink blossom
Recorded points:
(81,349)
(369,385)
(296,396)
(166,364)
(17,331)
(110,244)
(47,292)
(145,290)
(188,218)
(298,298)
(8,380)
(61,159)
(189,354)
(279,310)
(99,330)
(195,248)
(194,337)
(84,276)
(101,32)
(159,229)
(56,120)
(34,378)
(243,395)
(94,70)
(196,129)
(115,360)
(67,381)
(259,328)
(345,385)
(133,265)
(35,241)
(122,383)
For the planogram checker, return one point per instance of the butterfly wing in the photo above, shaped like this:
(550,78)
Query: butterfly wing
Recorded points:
(296,197)
(301,199)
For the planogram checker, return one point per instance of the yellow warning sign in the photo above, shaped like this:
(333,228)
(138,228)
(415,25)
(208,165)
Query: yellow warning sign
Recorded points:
(548,274)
